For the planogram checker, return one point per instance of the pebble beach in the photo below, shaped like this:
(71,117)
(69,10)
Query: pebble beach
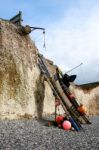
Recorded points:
(33,135)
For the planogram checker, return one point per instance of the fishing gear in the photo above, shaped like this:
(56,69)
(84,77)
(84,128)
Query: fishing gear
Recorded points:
(78,109)
(66,105)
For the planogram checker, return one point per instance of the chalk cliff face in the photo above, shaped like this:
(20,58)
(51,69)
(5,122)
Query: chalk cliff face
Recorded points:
(22,94)
(18,72)
(21,90)
(88,97)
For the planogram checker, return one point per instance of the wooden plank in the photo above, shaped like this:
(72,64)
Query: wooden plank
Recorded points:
(17,19)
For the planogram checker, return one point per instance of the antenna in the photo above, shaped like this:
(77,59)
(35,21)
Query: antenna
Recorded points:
(74,68)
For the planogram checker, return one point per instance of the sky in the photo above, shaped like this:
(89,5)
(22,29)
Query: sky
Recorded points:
(72,32)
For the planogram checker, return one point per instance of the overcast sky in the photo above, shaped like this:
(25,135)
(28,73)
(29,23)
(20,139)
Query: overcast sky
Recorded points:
(72,32)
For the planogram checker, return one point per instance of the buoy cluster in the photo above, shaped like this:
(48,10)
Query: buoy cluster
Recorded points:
(63,123)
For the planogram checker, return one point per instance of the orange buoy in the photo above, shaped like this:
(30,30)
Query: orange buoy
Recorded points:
(81,109)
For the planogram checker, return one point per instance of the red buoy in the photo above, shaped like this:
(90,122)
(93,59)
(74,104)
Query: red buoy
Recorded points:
(57,103)
(71,96)
(59,119)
